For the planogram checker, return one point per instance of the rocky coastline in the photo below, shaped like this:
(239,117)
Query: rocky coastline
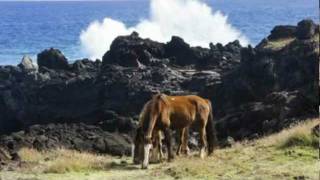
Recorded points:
(94,105)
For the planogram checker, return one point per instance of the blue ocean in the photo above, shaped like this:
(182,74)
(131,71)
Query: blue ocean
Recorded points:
(30,27)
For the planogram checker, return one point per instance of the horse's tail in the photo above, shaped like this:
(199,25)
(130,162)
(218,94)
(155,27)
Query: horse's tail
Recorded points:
(211,131)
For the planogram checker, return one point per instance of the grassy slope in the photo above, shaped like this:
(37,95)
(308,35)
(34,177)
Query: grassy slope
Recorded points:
(279,44)
(286,155)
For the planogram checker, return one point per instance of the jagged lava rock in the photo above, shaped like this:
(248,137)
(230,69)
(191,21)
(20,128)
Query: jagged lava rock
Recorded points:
(52,59)
(305,29)
(279,32)
(76,136)
(132,51)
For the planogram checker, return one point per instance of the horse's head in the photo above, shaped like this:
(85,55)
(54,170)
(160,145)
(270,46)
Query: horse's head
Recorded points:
(144,134)
(138,146)
(142,147)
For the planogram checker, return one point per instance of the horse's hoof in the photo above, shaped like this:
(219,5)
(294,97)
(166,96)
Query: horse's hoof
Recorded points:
(136,162)
(144,167)
(202,153)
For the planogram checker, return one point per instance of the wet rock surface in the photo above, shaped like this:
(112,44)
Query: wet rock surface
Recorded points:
(254,91)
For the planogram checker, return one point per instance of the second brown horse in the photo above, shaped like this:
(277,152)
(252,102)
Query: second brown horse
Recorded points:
(163,113)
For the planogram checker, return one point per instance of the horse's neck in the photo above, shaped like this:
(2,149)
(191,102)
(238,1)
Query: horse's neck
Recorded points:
(150,127)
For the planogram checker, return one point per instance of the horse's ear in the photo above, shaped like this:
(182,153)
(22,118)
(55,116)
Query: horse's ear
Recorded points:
(139,130)
(137,136)
(155,93)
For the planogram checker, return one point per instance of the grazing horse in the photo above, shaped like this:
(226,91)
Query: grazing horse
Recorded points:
(157,137)
(163,113)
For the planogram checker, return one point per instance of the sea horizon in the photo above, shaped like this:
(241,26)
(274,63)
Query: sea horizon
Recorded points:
(28,27)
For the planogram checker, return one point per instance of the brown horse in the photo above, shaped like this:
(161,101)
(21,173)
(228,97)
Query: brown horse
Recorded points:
(163,113)
(157,137)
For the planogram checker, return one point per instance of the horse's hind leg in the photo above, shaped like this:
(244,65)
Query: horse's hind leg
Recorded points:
(203,119)
(203,142)
(202,131)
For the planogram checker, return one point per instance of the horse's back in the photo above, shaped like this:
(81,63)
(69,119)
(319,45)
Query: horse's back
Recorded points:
(185,109)
(188,101)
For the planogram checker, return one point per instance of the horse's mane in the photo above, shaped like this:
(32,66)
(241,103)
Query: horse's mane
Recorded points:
(156,104)
(160,97)
(144,114)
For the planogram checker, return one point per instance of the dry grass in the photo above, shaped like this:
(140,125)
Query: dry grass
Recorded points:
(271,157)
(297,135)
(67,161)
(63,161)
(30,155)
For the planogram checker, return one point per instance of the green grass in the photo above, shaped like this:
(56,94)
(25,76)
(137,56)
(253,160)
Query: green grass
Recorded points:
(285,155)
(278,44)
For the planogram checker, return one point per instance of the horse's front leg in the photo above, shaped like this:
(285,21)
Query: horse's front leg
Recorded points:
(157,154)
(160,148)
(168,135)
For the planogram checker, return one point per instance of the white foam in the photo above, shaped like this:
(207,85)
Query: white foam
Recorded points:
(193,20)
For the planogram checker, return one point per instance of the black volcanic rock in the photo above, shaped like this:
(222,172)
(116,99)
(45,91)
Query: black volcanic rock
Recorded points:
(4,157)
(290,74)
(48,96)
(316,130)
(305,29)
(279,32)
(276,111)
(78,136)
(133,51)
(180,52)
(52,59)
